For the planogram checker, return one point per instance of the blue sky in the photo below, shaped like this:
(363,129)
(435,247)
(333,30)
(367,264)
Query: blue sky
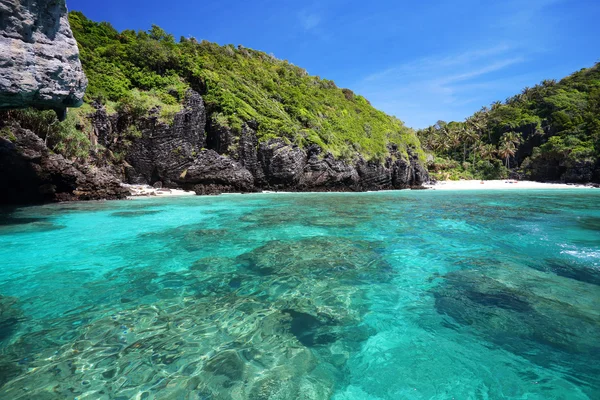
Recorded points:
(418,60)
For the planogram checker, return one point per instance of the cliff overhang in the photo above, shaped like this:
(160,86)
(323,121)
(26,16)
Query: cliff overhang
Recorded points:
(39,63)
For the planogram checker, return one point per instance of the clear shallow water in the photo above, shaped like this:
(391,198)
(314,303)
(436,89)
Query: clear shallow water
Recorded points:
(395,295)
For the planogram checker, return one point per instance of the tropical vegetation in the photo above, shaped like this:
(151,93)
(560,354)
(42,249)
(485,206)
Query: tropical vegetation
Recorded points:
(133,72)
(547,132)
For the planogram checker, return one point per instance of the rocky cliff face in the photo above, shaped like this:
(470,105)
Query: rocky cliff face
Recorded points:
(213,159)
(39,66)
(30,173)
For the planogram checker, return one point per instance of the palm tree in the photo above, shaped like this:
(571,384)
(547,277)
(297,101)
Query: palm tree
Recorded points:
(508,146)
(506,150)
(479,148)
(469,136)
(441,143)
(487,151)
(513,137)
(453,138)
(428,138)
(479,122)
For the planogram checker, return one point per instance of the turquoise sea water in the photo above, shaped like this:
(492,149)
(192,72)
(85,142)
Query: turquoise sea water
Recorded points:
(390,295)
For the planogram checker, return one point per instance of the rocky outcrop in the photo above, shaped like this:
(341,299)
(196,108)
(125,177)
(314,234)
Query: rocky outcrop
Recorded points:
(30,173)
(40,64)
(164,150)
(240,147)
(220,159)
(281,165)
(288,167)
(552,170)
(212,173)
(278,165)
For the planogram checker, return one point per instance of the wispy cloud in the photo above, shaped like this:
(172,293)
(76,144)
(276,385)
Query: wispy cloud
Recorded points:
(426,89)
(474,71)
(426,65)
(521,13)
(309,20)
(486,69)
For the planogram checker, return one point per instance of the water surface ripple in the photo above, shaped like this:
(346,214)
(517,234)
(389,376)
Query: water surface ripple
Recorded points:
(390,295)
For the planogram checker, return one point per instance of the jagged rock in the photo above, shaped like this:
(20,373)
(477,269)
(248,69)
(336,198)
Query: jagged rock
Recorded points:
(285,166)
(174,155)
(241,146)
(40,64)
(212,173)
(580,172)
(374,176)
(410,173)
(328,174)
(30,173)
(281,164)
(164,150)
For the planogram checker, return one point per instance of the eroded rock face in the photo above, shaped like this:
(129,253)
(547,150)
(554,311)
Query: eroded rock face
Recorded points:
(289,167)
(212,173)
(164,150)
(281,165)
(30,173)
(39,66)
(211,159)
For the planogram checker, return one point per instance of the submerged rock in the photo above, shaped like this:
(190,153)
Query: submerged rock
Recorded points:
(40,64)
(530,313)
(317,256)
(219,347)
(219,329)
(10,317)
(576,271)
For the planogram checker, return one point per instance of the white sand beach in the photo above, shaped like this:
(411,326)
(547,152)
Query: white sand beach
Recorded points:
(147,191)
(507,184)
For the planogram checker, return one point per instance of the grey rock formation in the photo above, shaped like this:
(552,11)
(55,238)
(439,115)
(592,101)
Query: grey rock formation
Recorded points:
(240,147)
(327,173)
(39,57)
(30,173)
(220,159)
(212,173)
(164,151)
(281,165)
(288,167)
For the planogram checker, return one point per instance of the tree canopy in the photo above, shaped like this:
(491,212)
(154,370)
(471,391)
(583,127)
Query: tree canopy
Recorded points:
(150,68)
(548,132)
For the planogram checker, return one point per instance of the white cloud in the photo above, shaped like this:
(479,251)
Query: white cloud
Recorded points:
(309,20)
(424,90)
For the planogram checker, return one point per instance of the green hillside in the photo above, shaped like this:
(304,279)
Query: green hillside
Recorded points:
(547,132)
(134,71)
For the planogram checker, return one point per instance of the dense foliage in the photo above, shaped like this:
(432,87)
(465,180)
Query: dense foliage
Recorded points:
(135,71)
(69,137)
(548,132)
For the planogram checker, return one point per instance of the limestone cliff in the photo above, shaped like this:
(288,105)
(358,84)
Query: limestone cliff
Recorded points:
(210,159)
(31,173)
(39,57)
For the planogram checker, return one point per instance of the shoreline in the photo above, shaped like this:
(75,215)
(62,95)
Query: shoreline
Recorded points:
(147,191)
(506,184)
(138,191)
